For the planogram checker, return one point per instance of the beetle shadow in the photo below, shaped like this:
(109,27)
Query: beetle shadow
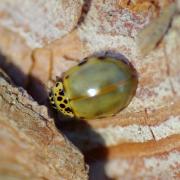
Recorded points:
(88,141)
(32,85)
(71,128)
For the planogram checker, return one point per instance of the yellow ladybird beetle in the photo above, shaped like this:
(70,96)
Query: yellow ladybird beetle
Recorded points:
(97,87)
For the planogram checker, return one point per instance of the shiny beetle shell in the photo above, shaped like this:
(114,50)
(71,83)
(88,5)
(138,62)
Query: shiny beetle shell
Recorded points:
(97,87)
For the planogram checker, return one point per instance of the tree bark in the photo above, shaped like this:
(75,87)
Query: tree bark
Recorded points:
(30,145)
(143,140)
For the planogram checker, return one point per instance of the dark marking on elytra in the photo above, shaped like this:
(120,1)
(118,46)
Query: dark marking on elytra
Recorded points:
(62,105)
(83,62)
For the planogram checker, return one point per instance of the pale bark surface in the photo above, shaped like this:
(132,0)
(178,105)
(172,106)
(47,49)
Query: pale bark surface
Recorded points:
(42,21)
(144,139)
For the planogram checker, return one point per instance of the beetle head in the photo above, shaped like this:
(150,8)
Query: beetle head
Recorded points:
(59,100)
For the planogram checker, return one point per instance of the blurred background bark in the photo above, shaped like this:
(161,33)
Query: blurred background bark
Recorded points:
(42,39)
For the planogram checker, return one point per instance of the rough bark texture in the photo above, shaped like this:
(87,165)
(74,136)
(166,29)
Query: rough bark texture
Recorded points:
(30,146)
(143,140)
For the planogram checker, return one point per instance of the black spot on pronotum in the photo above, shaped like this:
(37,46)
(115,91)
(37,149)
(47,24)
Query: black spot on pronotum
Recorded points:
(54,106)
(68,109)
(57,84)
(60,90)
(65,101)
(50,94)
(83,62)
(61,93)
(62,105)
(59,98)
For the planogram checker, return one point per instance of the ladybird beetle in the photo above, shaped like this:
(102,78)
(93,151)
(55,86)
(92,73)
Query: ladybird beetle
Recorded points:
(97,87)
